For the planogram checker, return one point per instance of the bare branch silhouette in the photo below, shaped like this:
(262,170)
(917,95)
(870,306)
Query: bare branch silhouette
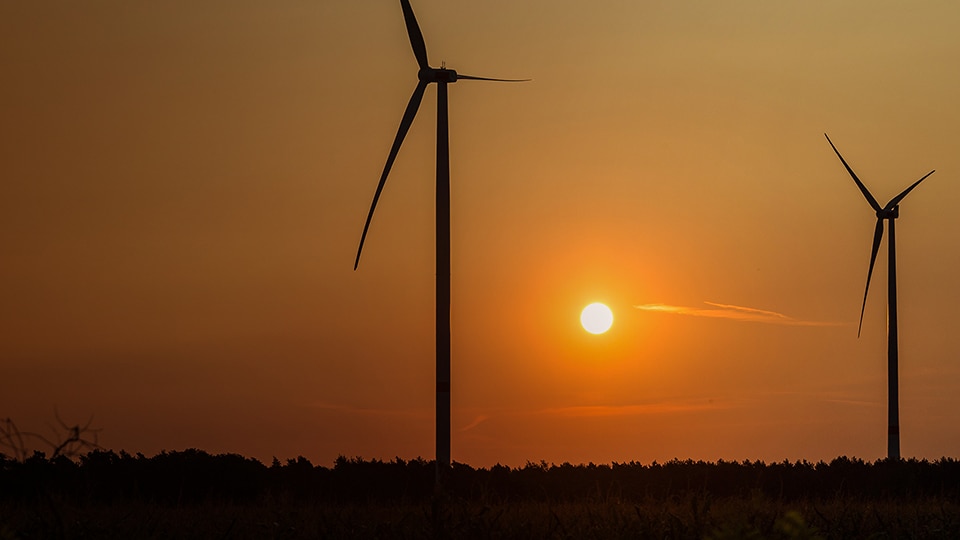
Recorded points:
(11,439)
(67,441)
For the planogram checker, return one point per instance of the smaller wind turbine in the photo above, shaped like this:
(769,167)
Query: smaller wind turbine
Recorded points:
(889,212)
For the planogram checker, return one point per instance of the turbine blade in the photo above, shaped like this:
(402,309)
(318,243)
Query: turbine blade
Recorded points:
(405,123)
(866,193)
(472,78)
(416,37)
(896,200)
(877,236)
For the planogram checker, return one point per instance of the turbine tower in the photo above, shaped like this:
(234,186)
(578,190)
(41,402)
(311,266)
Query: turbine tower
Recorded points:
(442,77)
(889,212)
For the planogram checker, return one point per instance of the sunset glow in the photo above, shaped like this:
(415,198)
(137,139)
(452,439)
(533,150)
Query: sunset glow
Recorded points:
(185,185)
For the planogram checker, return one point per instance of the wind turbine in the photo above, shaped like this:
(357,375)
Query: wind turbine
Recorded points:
(442,77)
(889,212)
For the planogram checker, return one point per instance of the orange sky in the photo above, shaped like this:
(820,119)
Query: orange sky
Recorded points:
(185,183)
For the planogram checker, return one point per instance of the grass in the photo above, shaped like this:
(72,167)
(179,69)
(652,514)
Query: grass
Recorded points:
(694,517)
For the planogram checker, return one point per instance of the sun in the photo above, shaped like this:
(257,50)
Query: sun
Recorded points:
(596,318)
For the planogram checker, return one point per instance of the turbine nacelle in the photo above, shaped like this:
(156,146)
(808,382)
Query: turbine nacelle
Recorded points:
(429,75)
(889,213)
(442,75)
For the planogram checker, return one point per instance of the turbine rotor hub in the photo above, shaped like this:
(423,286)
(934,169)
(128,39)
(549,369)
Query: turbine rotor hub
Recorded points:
(892,213)
(437,75)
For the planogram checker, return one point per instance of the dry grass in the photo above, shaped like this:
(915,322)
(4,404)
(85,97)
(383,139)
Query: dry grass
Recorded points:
(694,517)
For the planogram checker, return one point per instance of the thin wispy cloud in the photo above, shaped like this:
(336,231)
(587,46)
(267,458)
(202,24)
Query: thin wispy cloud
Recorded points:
(476,422)
(652,408)
(854,402)
(361,412)
(366,411)
(732,312)
(637,409)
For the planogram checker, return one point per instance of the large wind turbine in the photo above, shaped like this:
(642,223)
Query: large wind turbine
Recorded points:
(441,77)
(889,212)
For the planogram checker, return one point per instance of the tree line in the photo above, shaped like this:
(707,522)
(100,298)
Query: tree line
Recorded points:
(191,476)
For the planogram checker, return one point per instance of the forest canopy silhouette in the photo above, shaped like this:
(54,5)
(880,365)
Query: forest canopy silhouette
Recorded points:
(192,475)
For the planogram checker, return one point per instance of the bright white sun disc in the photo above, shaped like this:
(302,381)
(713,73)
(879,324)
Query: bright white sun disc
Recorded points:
(596,318)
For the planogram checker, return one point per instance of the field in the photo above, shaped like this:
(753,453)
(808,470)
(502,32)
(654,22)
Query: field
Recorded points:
(695,517)
(192,494)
